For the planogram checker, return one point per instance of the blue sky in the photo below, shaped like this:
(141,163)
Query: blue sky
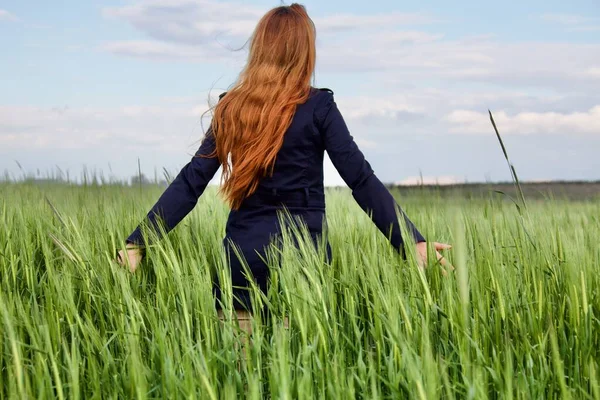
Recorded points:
(101,83)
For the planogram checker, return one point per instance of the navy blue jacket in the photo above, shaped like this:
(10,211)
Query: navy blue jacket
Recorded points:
(296,183)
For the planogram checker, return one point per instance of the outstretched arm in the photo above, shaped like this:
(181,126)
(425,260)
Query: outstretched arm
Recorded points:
(182,194)
(368,191)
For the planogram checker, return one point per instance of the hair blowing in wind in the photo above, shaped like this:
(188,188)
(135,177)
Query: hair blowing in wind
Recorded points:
(250,122)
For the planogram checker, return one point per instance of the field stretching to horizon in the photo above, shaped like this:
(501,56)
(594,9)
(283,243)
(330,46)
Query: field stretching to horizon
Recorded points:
(518,318)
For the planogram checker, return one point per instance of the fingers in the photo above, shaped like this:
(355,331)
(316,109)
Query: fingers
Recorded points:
(119,258)
(442,246)
(422,253)
(422,256)
(132,268)
(127,260)
(444,263)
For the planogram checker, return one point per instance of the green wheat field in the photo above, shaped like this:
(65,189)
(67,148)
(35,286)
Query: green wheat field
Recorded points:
(518,318)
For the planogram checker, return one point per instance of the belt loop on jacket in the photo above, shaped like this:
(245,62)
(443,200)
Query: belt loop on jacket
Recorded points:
(306,196)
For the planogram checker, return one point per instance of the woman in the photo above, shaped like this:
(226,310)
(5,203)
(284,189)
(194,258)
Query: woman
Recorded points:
(269,134)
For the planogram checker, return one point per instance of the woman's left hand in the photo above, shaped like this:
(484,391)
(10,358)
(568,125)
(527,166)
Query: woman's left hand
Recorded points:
(131,257)
(422,255)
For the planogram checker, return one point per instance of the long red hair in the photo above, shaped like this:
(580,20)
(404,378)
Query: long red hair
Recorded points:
(249,123)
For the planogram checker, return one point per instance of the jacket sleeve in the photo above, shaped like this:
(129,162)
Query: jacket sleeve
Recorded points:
(368,191)
(182,194)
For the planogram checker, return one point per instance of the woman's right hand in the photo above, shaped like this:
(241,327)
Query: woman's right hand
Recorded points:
(422,255)
(131,257)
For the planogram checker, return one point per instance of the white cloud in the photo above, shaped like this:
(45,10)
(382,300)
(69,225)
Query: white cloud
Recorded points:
(575,123)
(380,124)
(574,22)
(425,110)
(590,28)
(161,51)
(343,22)
(189,21)
(389,107)
(593,72)
(164,134)
(430,180)
(7,16)
(366,144)
(166,127)
(567,19)
(172,125)
(554,65)
(198,21)
(209,31)
(194,29)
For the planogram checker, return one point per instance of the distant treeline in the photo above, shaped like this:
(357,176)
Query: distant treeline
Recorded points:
(574,190)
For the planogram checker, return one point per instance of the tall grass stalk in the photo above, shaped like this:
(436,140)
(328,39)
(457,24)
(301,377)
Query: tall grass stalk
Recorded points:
(513,172)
